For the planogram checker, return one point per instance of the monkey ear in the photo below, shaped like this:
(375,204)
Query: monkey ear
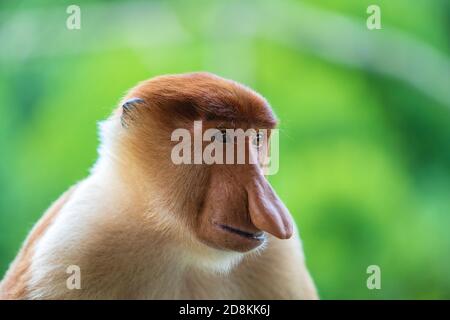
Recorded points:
(127,110)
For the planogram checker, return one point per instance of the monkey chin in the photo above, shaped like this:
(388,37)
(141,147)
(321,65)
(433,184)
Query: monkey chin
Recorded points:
(216,261)
(209,256)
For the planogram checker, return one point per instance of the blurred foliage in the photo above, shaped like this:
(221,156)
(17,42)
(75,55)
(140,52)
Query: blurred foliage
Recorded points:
(365,155)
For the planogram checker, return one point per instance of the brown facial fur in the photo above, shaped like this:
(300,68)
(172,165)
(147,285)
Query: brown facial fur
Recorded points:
(227,206)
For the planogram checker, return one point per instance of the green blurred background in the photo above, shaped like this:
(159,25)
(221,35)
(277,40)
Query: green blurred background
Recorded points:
(365,115)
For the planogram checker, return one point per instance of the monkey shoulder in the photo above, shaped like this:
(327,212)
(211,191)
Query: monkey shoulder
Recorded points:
(276,272)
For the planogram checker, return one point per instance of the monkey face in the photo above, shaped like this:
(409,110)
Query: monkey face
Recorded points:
(228,206)
(240,206)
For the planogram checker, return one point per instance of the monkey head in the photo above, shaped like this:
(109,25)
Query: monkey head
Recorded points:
(227,206)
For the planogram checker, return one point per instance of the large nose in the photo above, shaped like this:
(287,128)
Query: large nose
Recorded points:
(267,212)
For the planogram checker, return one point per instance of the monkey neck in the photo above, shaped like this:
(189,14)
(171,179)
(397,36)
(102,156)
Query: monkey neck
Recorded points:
(160,240)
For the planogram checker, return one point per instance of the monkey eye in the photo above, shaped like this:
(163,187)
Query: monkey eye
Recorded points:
(222,137)
(258,139)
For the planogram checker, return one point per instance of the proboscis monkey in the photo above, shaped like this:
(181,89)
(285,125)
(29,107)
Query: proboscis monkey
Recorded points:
(142,227)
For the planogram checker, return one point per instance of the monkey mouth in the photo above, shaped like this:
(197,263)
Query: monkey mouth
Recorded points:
(258,236)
